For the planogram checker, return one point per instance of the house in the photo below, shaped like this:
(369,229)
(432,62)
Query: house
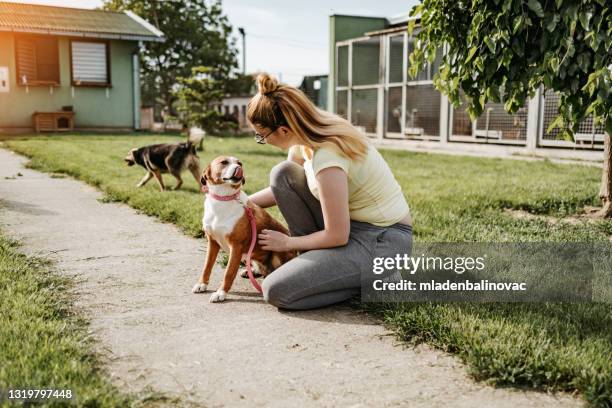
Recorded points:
(234,104)
(315,87)
(236,107)
(369,85)
(70,64)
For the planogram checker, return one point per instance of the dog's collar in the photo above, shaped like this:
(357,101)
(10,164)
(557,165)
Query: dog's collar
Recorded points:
(231,197)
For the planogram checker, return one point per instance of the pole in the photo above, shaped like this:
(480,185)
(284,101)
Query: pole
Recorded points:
(243,34)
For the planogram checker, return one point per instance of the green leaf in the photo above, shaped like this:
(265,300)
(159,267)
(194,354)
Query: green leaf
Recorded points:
(585,18)
(504,35)
(574,85)
(584,61)
(536,7)
(557,122)
(490,43)
(518,24)
(493,93)
(416,10)
(506,6)
(518,47)
(553,23)
(471,53)
(554,64)
(411,24)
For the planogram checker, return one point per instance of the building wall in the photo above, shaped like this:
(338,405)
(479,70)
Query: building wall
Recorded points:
(237,106)
(95,107)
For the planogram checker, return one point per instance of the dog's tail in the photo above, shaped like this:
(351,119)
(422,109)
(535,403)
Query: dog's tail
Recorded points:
(195,137)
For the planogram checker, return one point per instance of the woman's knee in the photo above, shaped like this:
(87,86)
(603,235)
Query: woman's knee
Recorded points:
(273,293)
(285,173)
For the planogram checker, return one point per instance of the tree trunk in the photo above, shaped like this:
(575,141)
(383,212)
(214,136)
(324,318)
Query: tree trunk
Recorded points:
(605,192)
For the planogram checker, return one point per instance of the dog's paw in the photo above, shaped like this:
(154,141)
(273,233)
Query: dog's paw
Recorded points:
(244,274)
(256,272)
(199,288)
(218,296)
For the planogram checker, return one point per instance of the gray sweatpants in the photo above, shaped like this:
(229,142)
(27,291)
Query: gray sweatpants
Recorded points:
(321,277)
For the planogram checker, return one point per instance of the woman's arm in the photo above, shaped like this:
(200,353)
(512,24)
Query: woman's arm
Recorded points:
(264,198)
(333,194)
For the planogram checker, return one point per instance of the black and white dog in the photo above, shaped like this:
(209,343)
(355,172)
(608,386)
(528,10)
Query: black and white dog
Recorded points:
(166,158)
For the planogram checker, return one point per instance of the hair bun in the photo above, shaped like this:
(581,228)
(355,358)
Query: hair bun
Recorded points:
(266,84)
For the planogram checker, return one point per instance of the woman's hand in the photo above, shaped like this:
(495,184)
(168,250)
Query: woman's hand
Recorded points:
(271,240)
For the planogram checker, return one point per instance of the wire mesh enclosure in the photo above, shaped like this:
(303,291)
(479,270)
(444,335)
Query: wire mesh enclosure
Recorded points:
(396,59)
(494,125)
(375,92)
(342,103)
(394,110)
(587,134)
(343,65)
(366,62)
(422,111)
(363,109)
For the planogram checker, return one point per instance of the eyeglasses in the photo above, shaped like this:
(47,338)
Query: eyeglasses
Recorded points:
(261,139)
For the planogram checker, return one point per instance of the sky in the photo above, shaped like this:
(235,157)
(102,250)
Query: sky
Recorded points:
(286,38)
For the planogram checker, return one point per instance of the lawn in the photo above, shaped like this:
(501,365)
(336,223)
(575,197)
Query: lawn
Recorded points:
(545,346)
(43,343)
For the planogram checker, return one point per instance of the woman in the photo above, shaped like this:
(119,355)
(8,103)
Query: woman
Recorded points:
(340,200)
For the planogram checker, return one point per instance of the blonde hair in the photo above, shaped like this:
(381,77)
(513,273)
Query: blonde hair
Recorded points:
(278,105)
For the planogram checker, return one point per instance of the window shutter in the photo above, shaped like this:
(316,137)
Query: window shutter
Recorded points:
(47,60)
(89,63)
(37,60)
(26,61)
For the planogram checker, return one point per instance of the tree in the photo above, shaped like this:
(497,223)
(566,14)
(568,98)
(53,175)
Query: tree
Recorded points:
(241,85)
(197,34)
(504,50)
(198,97)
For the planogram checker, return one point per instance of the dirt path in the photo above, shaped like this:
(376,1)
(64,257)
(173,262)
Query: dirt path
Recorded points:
(136,284)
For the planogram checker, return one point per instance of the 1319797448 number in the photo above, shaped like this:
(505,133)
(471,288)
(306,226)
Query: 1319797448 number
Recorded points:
(34,394)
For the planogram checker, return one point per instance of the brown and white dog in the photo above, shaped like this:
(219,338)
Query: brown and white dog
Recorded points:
(227,226)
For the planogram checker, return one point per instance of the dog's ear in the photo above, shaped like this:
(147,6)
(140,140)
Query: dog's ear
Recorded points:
(137,151)
(206,175)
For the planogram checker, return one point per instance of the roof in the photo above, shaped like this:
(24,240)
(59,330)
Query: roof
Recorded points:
(33,18)
(396,24)
(399,19)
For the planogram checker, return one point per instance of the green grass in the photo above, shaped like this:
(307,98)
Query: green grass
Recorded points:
(43,343)
(452,198)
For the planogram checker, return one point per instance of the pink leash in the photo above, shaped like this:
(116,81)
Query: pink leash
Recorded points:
(253,225)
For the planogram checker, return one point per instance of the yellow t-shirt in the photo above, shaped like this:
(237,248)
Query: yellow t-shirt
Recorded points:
(374,194)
